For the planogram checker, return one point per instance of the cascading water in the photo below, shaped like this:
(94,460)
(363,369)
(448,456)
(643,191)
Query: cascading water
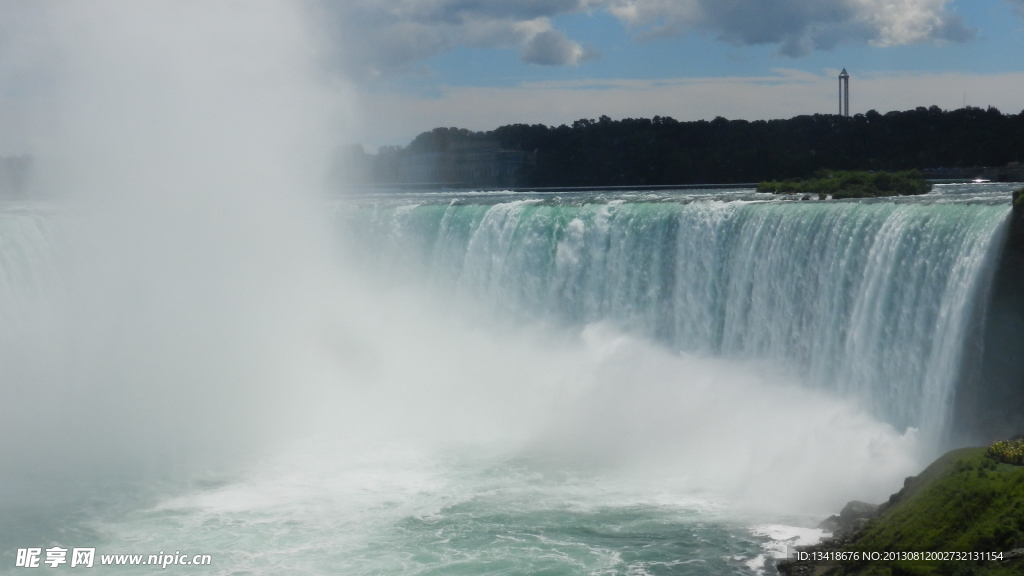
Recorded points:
(872,300)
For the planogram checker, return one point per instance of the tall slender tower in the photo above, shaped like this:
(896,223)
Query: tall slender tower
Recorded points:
(844,93)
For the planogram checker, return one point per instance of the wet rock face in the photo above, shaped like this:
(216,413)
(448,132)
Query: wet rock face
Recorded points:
(843,526)
(989,402)
(851,518)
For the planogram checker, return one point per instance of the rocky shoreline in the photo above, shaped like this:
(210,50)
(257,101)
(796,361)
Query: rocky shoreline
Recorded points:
(964,502)
(843,527)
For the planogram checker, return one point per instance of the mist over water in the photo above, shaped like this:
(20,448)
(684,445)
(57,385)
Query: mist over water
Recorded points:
(182,260)
(192,362)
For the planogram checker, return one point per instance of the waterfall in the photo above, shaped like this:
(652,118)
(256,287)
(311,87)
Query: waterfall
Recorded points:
(871,300)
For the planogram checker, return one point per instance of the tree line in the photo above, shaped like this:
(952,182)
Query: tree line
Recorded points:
(662,150)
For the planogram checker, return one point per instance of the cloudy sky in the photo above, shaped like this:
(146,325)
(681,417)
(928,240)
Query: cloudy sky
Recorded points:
(478,64)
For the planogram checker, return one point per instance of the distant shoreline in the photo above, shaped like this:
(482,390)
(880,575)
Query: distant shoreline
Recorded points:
(459,187)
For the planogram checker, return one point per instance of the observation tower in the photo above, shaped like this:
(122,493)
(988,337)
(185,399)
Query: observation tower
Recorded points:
(844,93)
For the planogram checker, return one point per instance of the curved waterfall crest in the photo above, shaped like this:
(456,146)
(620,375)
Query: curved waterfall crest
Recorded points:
(875,301)
(870,299)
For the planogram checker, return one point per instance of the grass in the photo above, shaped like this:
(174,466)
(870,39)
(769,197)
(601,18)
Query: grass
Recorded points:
(967,500)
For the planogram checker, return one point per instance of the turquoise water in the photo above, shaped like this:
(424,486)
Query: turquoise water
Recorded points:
(592,384)
(870,299)
(442,515)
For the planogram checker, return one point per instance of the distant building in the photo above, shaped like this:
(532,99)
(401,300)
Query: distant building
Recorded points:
(844,93)
(1012,172)
(421,167)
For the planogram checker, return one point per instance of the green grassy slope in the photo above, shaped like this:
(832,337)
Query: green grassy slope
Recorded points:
(965,501)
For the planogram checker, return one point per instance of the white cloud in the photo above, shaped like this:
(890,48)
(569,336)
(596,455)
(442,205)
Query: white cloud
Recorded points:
(912,21)
(553,48)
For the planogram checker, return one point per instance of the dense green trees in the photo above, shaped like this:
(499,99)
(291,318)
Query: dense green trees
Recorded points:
(661,150)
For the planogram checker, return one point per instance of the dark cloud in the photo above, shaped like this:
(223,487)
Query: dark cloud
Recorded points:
(798,27)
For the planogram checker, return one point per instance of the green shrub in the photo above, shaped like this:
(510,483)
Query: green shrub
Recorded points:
(853,184)
(1008,451)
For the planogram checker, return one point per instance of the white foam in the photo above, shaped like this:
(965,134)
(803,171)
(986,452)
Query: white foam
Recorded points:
(782,536)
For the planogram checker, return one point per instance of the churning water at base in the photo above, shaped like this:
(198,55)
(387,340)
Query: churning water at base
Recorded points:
(397,511)
(798,348)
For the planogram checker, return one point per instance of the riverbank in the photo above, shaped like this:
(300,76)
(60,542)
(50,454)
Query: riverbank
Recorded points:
(963,515)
